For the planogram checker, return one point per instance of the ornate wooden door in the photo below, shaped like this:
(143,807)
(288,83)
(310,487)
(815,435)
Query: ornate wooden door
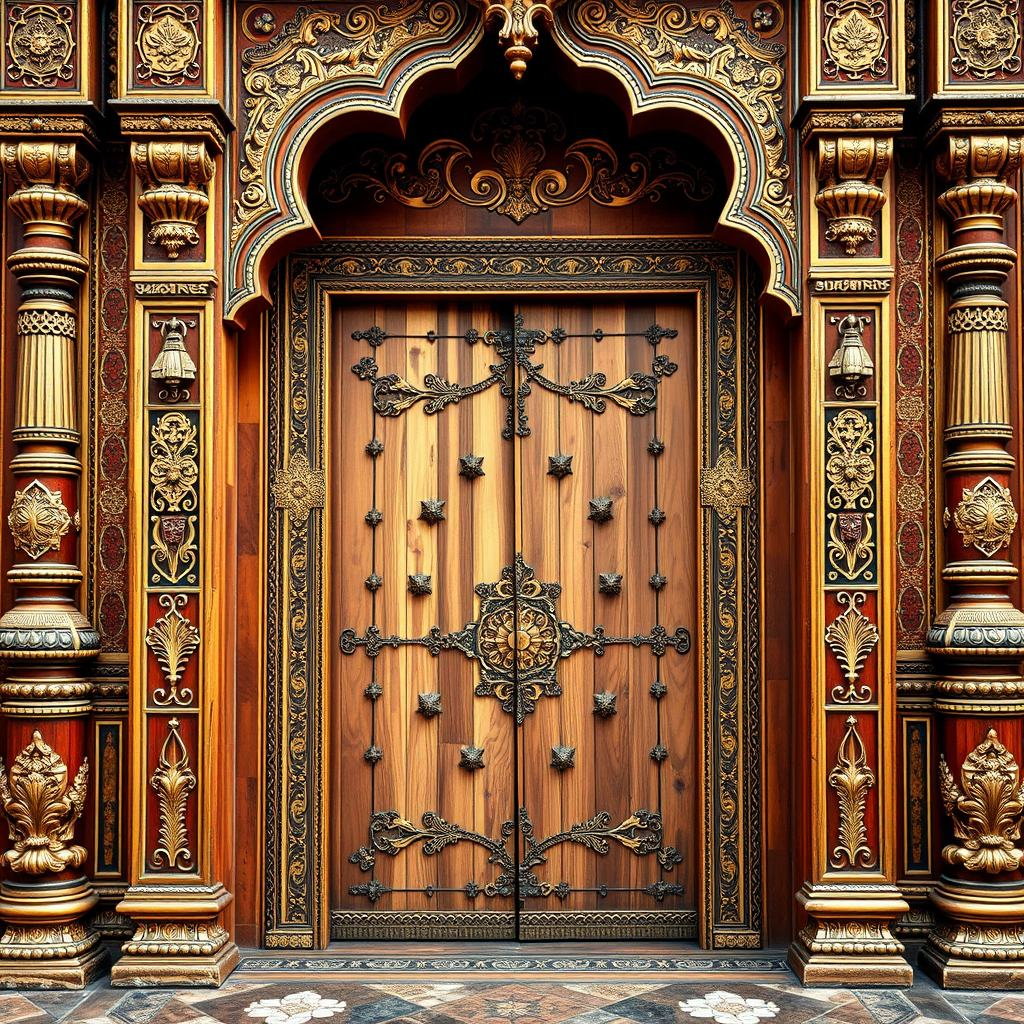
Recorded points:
(514,557)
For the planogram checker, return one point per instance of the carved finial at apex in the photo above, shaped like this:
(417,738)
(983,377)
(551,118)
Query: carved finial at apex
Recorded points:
(41,810)
(518,27)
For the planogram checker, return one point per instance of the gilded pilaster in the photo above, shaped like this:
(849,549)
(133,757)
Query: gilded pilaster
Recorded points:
(978,640)
(45,639)
(853,108)
(179,715)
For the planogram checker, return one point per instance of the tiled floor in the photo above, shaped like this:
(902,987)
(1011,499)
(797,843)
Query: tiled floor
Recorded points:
(441,1000)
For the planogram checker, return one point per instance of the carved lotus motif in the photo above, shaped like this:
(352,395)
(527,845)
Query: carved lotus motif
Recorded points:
(985,517)
(530,643)
(38,520)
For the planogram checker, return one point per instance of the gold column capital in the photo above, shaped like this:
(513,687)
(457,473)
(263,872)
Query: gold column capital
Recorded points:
(46,176)
(977,168)
(174,173)
(851,169)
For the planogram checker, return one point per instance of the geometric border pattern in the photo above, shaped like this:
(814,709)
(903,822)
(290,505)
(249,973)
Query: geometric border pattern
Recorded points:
(726,284)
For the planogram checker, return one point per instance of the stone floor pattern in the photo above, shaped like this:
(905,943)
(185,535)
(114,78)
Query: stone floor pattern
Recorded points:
(441,1001)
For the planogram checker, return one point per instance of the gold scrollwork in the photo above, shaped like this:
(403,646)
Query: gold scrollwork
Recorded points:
(987,814)
(38,520)
(167,44)
(711,43)
(316,47)
(985,517)
(851,778)
(174,546)
(852,637)
(173,780)
(40,44)
(850,468)
(173,467)
(298,488)
(41,810)
(173,639)
(727,487)
(519,185)
(850,543)
(985,37)
(856,36)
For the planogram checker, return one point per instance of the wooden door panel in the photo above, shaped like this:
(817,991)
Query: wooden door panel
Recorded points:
(395,758)
(614,771)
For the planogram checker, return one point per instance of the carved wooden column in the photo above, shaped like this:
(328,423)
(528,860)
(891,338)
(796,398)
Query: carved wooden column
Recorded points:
(979,638)
(44,638)
(182,600)
(853,100)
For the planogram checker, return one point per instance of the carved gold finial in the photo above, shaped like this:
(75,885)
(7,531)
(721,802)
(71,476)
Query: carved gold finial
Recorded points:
(518,29)
(851,171)
(987,814)
(173,175)
(41,810)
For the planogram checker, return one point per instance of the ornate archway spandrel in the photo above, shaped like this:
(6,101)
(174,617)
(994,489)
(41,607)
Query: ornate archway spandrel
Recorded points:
(705,63)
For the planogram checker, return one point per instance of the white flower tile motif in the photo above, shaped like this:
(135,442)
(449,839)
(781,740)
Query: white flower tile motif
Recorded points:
(297,1008)
(728,1008)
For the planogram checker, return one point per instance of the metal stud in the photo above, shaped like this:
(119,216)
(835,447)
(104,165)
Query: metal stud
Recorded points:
(374,754)
(659,753)
(471,758)
(559,465)
(374,691)
(420,585)
(375,448)
(604,704)
(431,512)
(658,689)
(657,516)
(656,446)
(563,758)
(429,704)
(600,510)
(373,582)
(374,517)
(471,466)
(610,583)
(657,581)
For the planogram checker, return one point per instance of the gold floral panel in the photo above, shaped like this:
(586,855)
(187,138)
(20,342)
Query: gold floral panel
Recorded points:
(300,648)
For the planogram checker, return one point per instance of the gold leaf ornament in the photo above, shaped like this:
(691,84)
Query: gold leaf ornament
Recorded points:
(168,44)
(985,517)
(173,780)
(518,27)
(41,810)
(173,639)
(727,487)
(852,778)
(986,812)
(852,637)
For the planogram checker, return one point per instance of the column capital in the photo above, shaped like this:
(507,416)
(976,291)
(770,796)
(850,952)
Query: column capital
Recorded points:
(851,169)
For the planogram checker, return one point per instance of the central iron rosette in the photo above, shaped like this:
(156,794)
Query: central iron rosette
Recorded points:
(518,635)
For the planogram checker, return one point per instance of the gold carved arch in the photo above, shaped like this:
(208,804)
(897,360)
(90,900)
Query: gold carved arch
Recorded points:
(331,68)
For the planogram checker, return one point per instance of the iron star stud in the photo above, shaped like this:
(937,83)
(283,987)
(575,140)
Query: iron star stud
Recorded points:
(471,466)
(559,465)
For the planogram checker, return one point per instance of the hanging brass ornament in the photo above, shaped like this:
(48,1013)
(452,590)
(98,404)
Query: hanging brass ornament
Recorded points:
(518,30)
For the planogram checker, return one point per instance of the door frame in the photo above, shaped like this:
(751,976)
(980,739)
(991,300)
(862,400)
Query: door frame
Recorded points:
(299,643)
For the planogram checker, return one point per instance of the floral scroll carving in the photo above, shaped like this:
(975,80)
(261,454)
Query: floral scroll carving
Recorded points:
(987,812)
(173,780)
(727,487)
(41,810)
(985,517)
(318,46)
(40,44)
(174,466)
(985,38)
(852,779)
(856,38)
(167,44)
(38,520)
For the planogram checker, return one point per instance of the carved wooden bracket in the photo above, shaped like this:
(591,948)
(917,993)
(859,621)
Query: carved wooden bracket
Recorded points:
(174,175)
(518,29)
(851,170)
(45,175)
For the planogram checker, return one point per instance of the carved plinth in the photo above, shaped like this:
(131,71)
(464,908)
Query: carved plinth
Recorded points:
(178,940)
(47,944)
(847,940)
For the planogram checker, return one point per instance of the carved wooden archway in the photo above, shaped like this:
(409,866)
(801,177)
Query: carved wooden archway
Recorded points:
(327,71)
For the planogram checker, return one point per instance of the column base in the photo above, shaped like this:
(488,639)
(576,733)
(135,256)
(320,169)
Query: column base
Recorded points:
(979,939)
(47,943)
(847,940)
(180,971)
(177,939)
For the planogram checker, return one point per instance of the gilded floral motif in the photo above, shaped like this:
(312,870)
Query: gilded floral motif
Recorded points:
(38,520)
(530,644)
(41,810)
(855,38)
(173,639)
(40,44)
(987,813)
(167,44)
(727,487)
(985,517)
(850,468)
(298,488)
(852,778)
(852,637)
(986,38)
(173,466)
(173,780)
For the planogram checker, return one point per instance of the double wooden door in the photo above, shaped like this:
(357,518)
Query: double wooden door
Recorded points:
(513,550)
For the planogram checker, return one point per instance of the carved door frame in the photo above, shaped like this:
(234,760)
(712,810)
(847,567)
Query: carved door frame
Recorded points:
(728,634)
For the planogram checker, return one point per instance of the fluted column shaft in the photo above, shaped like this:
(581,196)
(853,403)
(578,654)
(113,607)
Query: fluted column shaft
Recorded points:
(44,638)
(978,640)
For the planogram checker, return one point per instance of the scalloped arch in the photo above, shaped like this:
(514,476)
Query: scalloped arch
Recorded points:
(326,71)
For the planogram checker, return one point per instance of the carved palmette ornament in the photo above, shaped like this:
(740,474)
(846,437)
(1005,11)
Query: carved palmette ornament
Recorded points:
(173,639)
(986,813)
(38,520)
(985,517)
(167,44)
(852,778)
(40,44)
(856,37)
(852,637)
(41,810)
(173,780)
